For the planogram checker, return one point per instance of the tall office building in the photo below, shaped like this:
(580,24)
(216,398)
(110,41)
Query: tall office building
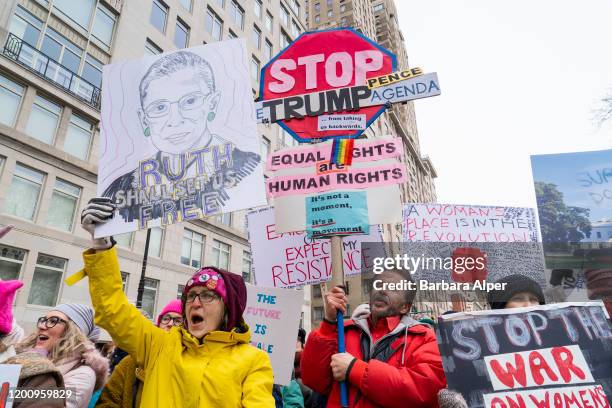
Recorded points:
(51,63)
(377,19)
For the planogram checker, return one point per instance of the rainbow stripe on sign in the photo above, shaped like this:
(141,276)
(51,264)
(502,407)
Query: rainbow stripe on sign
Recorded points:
(342,151)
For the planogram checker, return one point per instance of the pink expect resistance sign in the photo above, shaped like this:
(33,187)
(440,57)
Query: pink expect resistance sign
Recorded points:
(292,259)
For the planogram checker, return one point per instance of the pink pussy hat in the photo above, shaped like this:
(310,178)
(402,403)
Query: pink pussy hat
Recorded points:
(174,306)
(7,295)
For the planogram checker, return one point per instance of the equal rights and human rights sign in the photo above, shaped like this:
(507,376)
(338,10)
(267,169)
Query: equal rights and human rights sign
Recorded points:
(300,173)
(552,356)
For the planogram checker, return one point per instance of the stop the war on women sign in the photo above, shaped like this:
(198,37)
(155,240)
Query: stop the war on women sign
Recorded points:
(292,259)
(551,356)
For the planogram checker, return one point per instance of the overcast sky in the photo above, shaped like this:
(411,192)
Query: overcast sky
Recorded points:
(518,78)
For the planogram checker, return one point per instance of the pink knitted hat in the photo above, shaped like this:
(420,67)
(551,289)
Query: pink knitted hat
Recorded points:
(7,295)
(210,279)
(174,306)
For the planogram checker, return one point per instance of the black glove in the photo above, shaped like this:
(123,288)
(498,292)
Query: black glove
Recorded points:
(98,211)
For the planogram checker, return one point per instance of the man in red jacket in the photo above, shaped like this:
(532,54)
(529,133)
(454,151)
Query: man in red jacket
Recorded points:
(391,359)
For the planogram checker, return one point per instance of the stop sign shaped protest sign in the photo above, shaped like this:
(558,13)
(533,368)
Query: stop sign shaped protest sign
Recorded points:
(320,61)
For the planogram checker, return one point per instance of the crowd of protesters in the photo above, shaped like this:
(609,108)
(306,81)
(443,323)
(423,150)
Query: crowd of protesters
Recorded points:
(197,352)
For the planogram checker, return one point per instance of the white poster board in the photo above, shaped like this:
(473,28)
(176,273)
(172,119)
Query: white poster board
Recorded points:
(273,315)
(468,223)
(292,259)
(508,235)
(178,138)
(9,377)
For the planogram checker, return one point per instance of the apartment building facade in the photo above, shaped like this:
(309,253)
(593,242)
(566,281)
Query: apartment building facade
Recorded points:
(51,63)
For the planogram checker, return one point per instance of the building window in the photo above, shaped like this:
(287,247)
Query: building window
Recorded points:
(77,11)
(125,280)
(47,280)
(44,119)
(124,240)
(284,16)
(179,291)
(231,34)
(317,18)
(295,6)
(221,254)
(330,3)
(155,242)
(225,219)
(378,7)
(220,3)
(149,295)
(186,4)
(237,14)
(316,291)
(599,234)
(295,29)
(213,25)
(152,49)
(342,8)
(192,248)
(317,313)
(159,14)
(10,100)
(247,263)
(22,199)
(255,69)
(92,73)
(269,22)
(103,26)
(257,8)
(265,149)
(11,261)
(330,13)
(343,22)
(285,40)
(181,34)
(317,6)
(256,37)
(63,51)
(286,139)
(268,51)
(25,26)
(78,137)
(63,205)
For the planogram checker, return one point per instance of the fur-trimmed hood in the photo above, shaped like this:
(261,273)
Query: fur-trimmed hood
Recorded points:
(33,364)
(90,357)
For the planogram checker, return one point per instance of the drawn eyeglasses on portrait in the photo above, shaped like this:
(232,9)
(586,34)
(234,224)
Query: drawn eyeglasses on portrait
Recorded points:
(187,105)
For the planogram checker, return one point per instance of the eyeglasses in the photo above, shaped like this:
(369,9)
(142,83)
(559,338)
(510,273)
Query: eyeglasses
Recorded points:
(176,321)
(49,322)
(204,296)
(188,102)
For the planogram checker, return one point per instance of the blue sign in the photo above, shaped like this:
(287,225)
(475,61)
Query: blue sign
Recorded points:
(337,213)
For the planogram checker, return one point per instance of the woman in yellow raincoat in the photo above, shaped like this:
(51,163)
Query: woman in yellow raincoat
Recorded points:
(206,363)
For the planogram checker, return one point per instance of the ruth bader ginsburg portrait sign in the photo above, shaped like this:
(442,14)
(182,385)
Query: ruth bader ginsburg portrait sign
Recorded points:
(178,137)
